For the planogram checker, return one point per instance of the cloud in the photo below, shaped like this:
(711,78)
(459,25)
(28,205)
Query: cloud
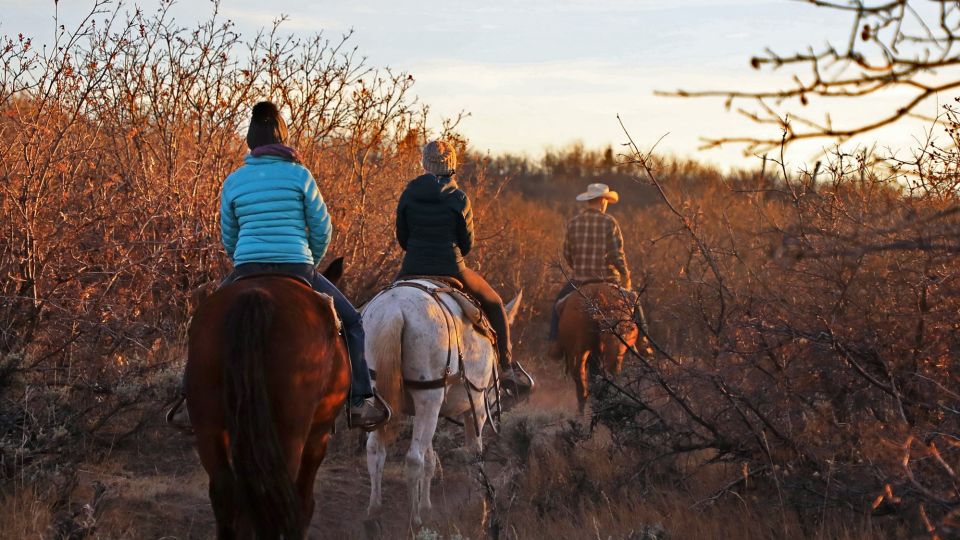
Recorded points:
(600,6)
(525,107)
(296,21)
(581,77)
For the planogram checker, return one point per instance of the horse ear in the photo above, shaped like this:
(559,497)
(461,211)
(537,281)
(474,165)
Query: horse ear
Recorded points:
(513,307)
(334,270)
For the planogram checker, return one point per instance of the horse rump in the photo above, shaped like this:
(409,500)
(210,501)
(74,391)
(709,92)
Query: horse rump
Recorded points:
(265,491)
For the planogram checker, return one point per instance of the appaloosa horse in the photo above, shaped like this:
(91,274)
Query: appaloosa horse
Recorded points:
(429,361)
(267,375)
(597,320)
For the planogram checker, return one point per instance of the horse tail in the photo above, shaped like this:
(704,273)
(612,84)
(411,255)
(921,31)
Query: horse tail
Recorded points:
(264,488)
(384,346)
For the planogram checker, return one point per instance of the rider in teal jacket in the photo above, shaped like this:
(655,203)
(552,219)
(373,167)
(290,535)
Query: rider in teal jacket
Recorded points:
(273,219)
(273,197)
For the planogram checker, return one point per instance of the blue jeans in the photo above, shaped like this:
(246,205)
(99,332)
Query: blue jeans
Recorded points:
(360,385)
(554,315)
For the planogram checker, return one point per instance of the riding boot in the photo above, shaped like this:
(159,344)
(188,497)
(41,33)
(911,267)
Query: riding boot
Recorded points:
(367,411)
(497,316)
(554,351)
(512,378)
(554,323)
(567,288)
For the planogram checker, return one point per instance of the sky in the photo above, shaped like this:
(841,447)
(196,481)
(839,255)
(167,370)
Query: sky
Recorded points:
(539,74)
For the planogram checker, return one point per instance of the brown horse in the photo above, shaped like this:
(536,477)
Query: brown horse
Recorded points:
(598,320)
(267,375)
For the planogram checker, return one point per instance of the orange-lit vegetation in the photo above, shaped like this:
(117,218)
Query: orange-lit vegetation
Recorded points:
(804,324)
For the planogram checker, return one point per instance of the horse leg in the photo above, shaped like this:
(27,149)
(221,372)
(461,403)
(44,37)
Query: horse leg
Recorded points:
(427,404)
(618,367)
(582,381)
(223,502)
(313,454)
(473,438)
(429,469)
(212,450)
(376,456)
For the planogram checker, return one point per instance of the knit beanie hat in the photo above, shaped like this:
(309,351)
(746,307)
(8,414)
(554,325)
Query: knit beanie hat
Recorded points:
(266,126)
(439,158)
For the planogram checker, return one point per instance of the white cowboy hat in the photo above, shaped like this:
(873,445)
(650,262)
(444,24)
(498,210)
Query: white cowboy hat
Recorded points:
(598,190)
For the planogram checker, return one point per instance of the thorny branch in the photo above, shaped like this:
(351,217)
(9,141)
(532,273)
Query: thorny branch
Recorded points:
(898,45)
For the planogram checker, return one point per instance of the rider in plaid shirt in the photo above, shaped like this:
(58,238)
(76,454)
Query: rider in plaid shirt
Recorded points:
(593,248)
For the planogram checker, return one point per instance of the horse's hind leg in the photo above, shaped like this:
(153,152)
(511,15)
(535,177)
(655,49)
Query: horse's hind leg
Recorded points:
(313,454)
(429,469)
(376,457)
(427,404)
(212,449)
(582,379)
(223,501)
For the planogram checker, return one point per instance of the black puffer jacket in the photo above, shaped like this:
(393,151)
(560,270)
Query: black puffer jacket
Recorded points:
(434,226)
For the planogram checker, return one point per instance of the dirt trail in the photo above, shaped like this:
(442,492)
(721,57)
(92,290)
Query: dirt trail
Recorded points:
(157,488)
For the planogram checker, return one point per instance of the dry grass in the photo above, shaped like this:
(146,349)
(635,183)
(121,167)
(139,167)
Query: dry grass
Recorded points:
(26,514)
(559,480)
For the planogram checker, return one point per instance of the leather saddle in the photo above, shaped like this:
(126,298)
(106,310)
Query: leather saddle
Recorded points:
(623,298)
(300,279)
(294,277)
(468,304)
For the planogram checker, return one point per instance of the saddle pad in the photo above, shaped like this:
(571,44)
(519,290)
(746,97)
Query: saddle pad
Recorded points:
(325,298)
(468,304)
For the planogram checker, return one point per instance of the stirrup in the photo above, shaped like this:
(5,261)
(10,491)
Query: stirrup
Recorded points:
(368,428)
(516,369)
(525,373)
(172,413)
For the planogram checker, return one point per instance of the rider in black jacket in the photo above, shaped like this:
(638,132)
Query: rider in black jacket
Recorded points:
(435,228)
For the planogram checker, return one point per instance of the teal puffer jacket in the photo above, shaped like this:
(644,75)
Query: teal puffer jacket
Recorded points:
(272,211)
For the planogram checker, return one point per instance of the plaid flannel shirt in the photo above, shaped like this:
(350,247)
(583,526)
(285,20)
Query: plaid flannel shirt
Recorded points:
(594,248)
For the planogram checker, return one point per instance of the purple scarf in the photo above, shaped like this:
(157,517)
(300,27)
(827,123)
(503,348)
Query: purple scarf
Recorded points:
(276,149)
